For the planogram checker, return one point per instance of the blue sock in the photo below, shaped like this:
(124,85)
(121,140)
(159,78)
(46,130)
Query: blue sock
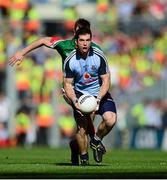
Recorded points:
(84,156)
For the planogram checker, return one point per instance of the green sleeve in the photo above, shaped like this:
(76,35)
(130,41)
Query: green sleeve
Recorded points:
(93,44)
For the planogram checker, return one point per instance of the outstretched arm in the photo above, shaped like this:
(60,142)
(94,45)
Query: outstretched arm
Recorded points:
(18,57)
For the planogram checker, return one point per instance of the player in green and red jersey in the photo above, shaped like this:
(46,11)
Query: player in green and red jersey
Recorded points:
(63,47)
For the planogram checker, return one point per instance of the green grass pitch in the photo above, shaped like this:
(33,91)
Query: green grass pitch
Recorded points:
(40,162)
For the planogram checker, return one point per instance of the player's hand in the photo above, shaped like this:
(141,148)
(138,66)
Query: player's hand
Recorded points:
(75,102)
(76,105)
(98,103)
(17,59)
(78,109)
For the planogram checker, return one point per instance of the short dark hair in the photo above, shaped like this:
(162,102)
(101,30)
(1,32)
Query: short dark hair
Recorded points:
(82,31)
(82,23)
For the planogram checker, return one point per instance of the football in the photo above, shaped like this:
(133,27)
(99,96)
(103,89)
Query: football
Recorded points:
(87,103)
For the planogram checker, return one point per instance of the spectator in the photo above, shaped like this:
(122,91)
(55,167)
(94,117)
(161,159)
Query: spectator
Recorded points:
(4,109)
(45,119)
(4,117)
(23,124)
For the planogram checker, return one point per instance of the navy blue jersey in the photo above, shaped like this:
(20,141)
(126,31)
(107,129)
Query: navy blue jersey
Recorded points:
(86,72)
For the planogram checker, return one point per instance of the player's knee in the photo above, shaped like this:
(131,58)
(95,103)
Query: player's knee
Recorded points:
(110,119)
(110,122)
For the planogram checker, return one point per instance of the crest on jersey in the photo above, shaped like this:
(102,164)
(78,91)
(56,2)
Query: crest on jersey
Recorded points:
(86,76)
(93,68)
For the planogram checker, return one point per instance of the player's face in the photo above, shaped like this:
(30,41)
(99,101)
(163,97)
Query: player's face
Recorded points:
(84,42)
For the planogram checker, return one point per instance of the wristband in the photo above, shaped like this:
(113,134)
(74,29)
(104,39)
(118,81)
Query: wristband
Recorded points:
(99,98)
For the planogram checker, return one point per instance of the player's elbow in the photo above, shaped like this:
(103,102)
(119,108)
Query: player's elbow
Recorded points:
(45,41)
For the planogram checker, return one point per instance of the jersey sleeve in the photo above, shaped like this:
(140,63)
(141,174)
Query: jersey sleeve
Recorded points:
(67,70)
(104,69)
(54,41)
(93,44)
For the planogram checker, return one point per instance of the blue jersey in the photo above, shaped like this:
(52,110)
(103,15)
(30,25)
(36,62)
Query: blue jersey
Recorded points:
(86,72)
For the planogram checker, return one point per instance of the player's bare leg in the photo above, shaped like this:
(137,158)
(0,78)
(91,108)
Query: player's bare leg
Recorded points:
(74,144)
(106,125)
(109,120)
(82,140)
(81,136)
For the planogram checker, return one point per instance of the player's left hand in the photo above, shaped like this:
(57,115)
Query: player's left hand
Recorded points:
(98,103)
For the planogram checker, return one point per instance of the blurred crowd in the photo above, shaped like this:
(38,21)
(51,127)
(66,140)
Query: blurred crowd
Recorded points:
(137,59)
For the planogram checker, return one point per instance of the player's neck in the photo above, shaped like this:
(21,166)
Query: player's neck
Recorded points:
(84,55)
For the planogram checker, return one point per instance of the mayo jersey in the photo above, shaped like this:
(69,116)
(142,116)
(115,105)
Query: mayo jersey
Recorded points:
(86,72)
(65,47)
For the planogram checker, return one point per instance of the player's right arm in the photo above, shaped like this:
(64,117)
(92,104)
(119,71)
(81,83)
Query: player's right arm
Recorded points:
(18,57)
(68,87)
(68,83)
